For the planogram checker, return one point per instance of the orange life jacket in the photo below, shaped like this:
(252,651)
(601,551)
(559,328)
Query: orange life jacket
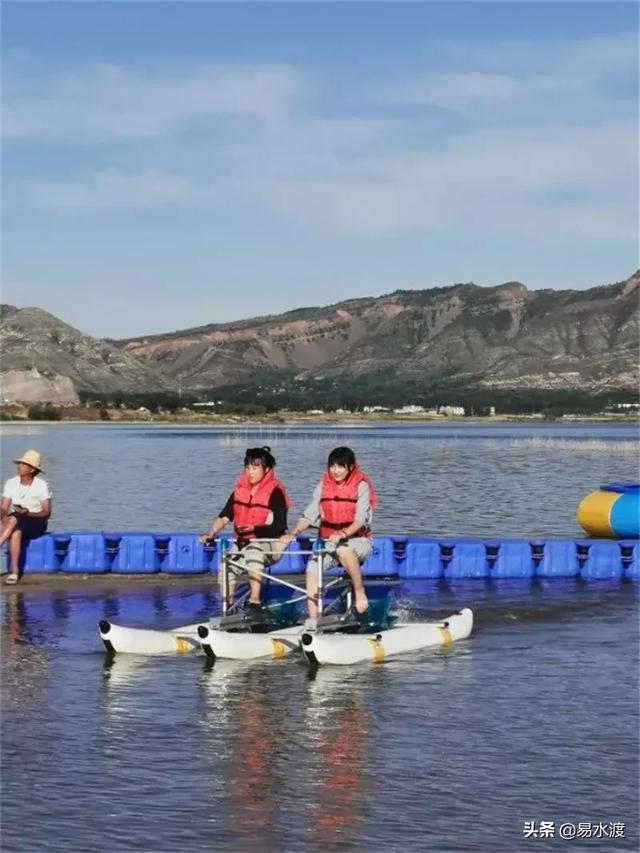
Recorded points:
(252,510)
(338,502)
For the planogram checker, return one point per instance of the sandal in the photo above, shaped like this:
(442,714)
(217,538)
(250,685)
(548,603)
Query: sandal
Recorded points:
(12,579)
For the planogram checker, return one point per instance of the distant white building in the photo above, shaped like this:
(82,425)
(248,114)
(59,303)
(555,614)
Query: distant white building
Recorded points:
(409,410)
(315,411)
(451,410)
(370,409)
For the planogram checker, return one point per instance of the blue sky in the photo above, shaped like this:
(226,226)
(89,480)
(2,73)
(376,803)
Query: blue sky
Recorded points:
(167,165)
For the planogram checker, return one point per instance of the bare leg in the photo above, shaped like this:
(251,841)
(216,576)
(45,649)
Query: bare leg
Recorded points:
(255,586)
(312,589)
(15,544)
(328,561)
(8,526)
(349,561)
(231,586)
(232,577)
(255,556)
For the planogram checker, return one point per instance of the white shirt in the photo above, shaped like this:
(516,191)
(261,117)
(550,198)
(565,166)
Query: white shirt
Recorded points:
(31,496)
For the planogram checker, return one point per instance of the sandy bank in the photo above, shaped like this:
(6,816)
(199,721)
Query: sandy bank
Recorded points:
(108,582)
(122,584)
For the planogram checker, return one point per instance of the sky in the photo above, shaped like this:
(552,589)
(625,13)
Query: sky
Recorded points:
(168,165)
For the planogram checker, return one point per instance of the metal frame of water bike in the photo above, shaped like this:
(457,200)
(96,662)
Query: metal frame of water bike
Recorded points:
(319,549)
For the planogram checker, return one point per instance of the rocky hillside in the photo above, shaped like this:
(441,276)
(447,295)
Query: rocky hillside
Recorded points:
(44,359)
(505,336)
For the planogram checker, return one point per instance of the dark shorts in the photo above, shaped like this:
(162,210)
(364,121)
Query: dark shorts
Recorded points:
(31,527)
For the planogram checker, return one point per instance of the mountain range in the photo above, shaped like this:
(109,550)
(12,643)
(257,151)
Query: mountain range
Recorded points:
(505,336)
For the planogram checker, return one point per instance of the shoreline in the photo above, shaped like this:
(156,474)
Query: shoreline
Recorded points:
(301,419)
(65,581)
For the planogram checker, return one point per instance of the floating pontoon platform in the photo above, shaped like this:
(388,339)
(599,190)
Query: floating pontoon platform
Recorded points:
(395,557)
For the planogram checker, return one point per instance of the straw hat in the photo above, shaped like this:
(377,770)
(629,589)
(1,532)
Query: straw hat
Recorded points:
(31,457)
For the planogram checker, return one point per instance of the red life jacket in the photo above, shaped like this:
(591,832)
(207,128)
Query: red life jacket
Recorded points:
(252,510)
(338,502)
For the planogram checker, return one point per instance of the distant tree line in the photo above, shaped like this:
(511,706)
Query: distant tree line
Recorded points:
(271,391)
(46,412)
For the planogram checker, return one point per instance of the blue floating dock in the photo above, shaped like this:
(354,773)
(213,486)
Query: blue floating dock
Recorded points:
(403,557)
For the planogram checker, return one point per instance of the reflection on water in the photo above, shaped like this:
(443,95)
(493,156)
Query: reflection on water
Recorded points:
(254,728)
(121,673)
(25,663)
(268,745)
(338,725)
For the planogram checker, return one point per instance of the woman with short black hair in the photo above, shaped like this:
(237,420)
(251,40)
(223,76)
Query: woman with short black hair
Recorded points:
(341,506)
(258,508)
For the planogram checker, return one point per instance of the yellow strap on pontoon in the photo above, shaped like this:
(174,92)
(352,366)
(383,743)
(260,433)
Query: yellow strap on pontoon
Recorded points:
(447,639)
(378,650)
(278,648)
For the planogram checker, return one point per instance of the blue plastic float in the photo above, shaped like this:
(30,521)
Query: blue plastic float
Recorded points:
(403,557)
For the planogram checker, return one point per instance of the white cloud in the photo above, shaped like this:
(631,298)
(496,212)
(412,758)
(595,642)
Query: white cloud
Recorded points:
(544,149)
(592,55)
(529,82)
(601,55)
(553,183)
(109,103)
(112,189)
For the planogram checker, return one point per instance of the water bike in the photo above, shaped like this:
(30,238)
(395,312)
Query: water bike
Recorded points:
(281,618)
(340,635)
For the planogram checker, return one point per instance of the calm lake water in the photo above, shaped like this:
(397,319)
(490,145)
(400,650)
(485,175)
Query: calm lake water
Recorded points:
(534,718)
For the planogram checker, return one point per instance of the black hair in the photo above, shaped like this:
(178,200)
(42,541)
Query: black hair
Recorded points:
(260,454)
(342,456)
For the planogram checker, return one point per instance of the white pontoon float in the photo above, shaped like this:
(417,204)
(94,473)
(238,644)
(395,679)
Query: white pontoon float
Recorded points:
(335,648)
(143,641)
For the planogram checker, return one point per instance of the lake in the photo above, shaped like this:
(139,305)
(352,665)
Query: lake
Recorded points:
(533,719)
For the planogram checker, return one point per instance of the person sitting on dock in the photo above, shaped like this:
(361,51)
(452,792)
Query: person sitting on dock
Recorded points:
(258,509)
(341,506)
(25,509)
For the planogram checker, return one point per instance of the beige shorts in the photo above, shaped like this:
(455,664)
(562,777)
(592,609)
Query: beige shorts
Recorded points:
(361,546)
(255,555)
